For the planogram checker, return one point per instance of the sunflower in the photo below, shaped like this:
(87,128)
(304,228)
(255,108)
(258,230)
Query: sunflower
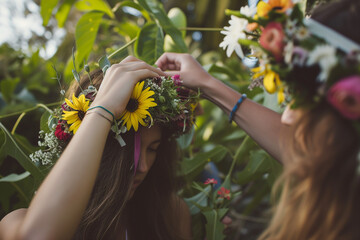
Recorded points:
(78,106)
(264,8)
(136,109)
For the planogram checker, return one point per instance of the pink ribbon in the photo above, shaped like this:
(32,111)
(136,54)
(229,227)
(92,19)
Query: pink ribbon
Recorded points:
(137,150)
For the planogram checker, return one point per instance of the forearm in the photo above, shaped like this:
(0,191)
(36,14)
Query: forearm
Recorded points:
(58,206)
(261,123)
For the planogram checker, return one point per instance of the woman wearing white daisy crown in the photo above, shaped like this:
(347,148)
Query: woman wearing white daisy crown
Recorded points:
(314,66)
(115,179)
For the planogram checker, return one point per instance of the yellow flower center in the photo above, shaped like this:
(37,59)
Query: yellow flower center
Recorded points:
(132,105)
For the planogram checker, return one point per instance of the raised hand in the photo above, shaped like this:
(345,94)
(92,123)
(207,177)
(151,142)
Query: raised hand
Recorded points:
(119,82)
(191,72)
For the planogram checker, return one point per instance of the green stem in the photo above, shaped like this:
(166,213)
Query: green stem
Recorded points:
(201,29)
(32,109)
(122,48)
(17,123)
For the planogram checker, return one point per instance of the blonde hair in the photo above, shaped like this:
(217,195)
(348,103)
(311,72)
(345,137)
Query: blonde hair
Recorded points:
(318,192)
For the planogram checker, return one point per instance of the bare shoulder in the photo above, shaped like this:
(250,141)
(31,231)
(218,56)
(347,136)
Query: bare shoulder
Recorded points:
(10,224)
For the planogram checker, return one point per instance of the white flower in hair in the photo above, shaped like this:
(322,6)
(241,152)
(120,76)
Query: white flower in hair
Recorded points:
(324,55)
(247,11)
(302,33)
(233,33)
(290,27)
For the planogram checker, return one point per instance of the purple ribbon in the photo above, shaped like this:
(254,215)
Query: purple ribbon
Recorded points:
(137,150)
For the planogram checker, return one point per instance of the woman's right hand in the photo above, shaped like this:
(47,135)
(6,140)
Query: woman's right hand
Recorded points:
(120,79)
(191,72)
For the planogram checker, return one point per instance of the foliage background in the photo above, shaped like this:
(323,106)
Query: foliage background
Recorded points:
(27,82)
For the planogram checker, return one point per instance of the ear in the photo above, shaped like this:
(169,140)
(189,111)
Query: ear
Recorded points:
(291,116)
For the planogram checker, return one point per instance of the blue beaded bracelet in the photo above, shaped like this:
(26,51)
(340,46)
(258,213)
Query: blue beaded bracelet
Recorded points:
(103,109)
(243,96)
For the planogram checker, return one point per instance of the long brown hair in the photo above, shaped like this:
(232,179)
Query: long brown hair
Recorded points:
(319,190)
(318,194)
(150,208)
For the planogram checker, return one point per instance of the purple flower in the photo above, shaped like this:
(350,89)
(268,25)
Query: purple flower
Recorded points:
(345,96)
(299,56)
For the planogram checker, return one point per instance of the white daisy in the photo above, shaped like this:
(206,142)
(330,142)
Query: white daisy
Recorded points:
(233,33)
(290,27)
(324,55)
(247,11)
(288,52)
(302,33)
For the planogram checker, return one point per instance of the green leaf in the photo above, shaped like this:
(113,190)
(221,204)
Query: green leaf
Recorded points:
(46,8)
(149,44)
(200,199)
(25,145)
(63,12)
(156,9)
(44,121)
(137,7)
(214,226)
(104,64)
(94,5)
(15,177)
(192,167)
(258,164)
(7,87)
(127,29)
(185,140)
(85,33)
(10,147)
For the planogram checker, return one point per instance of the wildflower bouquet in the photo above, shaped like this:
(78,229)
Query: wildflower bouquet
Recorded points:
(301,60)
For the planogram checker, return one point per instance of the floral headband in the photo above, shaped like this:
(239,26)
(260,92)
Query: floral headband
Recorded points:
(298,58)
(284,43)
(158,100)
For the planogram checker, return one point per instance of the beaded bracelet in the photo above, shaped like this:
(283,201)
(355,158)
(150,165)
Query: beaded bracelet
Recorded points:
(103,109)
(241,99)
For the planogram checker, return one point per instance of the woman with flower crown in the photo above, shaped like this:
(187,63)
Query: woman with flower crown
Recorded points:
(116,178)
(314,66)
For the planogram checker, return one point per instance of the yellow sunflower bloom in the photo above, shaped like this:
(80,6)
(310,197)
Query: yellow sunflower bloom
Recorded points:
(271,79)
(74,117)
(136,109)
(264,8)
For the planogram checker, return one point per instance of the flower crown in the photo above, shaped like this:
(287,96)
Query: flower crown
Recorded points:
(159,100)
(301,60)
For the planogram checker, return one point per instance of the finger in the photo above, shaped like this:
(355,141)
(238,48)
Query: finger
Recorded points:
(145,73)
(130,59)
(136,65)
(226,220)
(168,60)
(171,73)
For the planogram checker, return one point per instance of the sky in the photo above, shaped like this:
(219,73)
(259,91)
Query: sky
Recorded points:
(16,28)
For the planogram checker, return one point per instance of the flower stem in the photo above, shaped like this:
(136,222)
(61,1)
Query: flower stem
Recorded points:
(17,123)
(45,106)
(122,48)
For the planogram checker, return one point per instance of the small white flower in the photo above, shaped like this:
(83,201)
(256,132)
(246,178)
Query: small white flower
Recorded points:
(288,52)
(247,11)
(233,33)
(302,33)
(290,27)
(324,55)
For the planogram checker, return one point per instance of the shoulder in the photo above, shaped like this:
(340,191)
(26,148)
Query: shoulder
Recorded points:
(10,224)
(182,216)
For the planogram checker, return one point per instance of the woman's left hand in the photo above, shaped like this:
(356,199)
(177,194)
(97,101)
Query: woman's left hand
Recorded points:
(119,82)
